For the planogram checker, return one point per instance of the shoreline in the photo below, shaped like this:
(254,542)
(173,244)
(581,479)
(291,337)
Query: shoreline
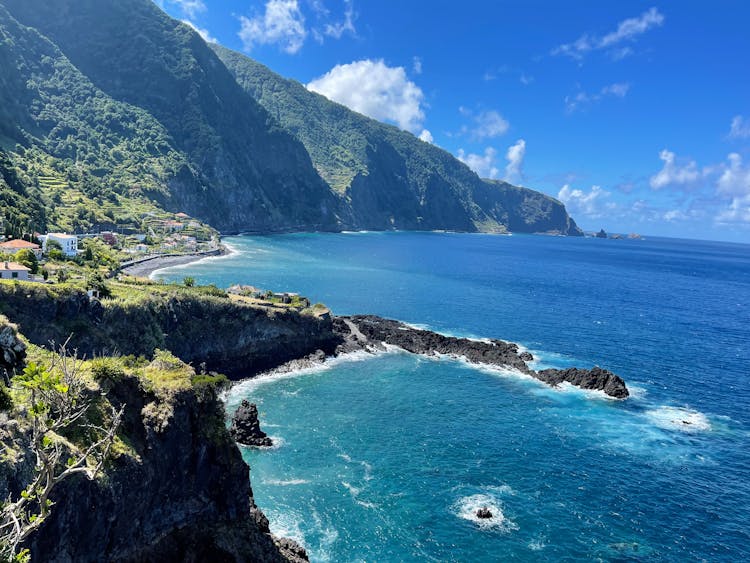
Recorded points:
(149,266)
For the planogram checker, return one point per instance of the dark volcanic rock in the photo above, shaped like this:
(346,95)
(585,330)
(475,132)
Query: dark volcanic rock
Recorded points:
(12,350)
(484,512)
(363,332)
(245,427)
(601,234)
(597,379)
(182,492)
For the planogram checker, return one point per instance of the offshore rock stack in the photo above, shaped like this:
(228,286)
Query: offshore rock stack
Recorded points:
(245,427)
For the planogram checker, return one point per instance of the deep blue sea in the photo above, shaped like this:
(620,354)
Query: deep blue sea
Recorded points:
(387,457)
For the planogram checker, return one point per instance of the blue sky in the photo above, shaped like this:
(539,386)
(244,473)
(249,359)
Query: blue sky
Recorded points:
(635,114)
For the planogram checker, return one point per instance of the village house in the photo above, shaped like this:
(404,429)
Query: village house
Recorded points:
(109,237)
(14,271)
(69,243)
(13,246)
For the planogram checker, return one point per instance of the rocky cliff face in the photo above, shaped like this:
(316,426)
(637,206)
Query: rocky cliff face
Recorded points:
(386,177)
(229,337)
(12,350)
(178,492)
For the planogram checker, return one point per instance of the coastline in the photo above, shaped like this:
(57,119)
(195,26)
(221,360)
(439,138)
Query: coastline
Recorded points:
(147,267)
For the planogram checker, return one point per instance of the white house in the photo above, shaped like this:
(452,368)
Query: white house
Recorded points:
(69,243)
(13,271)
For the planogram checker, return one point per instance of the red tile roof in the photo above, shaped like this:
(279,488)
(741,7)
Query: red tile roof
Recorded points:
(18,243)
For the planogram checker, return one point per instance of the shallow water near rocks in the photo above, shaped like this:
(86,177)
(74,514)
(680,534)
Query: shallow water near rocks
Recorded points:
(387,457)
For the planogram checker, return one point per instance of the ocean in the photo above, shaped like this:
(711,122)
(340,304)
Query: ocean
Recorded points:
(387,457)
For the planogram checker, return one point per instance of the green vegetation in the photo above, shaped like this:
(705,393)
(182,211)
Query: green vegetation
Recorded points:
(68,437)
(109,129)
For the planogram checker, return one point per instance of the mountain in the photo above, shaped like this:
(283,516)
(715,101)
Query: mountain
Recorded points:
(139,99)
(111,110)
(388,177)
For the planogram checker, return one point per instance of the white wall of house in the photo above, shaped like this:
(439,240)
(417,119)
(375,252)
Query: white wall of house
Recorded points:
(13,271)
(69,243)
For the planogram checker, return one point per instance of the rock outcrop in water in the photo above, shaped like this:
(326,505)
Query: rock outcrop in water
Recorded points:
(362,332)
(245,427)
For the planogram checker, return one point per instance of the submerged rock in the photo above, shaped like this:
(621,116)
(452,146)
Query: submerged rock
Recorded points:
(484,513)
(245,427)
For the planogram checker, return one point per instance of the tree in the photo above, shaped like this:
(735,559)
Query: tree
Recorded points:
(188,281)
(58,402)
(28,259)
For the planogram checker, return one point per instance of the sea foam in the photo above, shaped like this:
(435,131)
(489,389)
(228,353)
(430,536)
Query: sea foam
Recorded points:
(679,418)
(466,508)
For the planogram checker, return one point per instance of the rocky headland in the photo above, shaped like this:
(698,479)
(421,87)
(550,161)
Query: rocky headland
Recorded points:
(363,332)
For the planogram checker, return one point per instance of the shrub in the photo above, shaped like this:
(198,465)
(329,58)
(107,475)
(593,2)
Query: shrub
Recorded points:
(107,369)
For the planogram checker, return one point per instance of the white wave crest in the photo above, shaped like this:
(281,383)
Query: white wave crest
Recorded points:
(285,482)
(467,507)
(679,418)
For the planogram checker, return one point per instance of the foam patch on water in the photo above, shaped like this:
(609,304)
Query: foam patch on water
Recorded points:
(679,418)
(285,482)
(467,507)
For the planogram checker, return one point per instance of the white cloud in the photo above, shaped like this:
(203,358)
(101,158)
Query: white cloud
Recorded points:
(487,124)
(627,30)
(483,164)
(426,136)
(735,180)
(515,156)
(417,65)
(337,29)
(591,204)
(204,33)
(737,212)
(674,174)
(582,99)
(374,89)
(618,89)
(740,129)
(674,215)
(189,8)
(281,23)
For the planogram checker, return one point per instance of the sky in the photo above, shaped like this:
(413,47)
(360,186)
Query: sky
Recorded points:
(635,114)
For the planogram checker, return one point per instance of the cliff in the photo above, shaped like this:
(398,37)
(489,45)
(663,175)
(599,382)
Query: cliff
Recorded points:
(176,488)
(199,325)
(388,178)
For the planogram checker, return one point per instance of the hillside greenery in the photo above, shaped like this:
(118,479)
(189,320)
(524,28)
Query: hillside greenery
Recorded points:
(389,177)
(111,112)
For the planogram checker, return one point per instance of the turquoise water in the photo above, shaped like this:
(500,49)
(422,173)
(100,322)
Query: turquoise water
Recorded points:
(385,458)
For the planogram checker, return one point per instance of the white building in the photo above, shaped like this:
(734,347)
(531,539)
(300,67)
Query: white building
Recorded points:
(69,243)
(13,271)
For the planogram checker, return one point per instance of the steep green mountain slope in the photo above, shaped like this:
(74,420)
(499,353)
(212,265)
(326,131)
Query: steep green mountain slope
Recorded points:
(121,90)
(110,110)
(387,177)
